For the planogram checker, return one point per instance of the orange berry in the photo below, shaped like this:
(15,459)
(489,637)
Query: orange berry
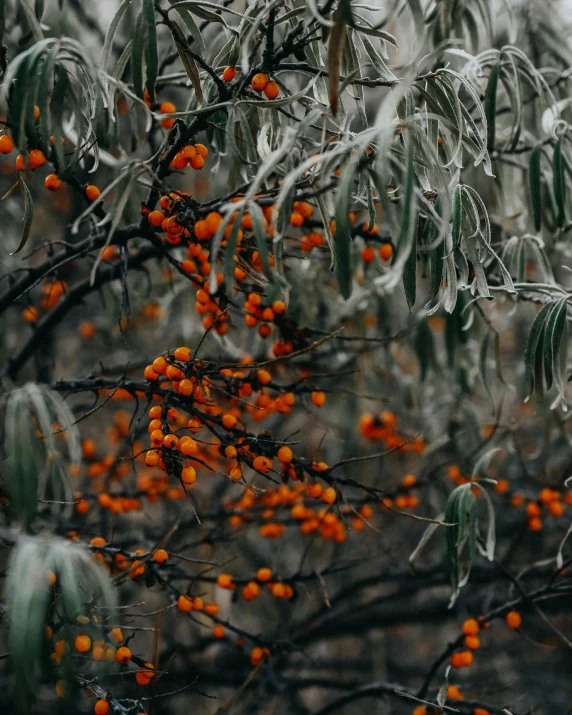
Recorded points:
(224,580)
(259,82)
(318,398)
(197,162)
(513,619)
(92,192)
(101,707)
(160,556)
(386,251)
(285,454)
(6,144)
(329,496)
(52,182)
(188,475)
(123,655)
(296,219)
(82,643)
(20,163)
(184,604)
(368,254)
(229,421)
(272,90)
(471,627)
(262,464)
(472,642)
(156,218)
(202,150)
(218,631)
(36,158)
(264,574)
(229,73)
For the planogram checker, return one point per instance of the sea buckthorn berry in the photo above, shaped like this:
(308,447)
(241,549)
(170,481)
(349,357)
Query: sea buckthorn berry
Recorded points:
(186,387)
(272,90)
(420,710)
(156,218)
(213,220)
(20,163)
(157,437)
(179,162)
(318,398)
(480,711)
(202,150)
(123,655)
(368,254)
(472,642)
(285,454)
(230,452)
(264,377)
(386,251)
(92,192)
(101,707)
(471,627)
(185,604)
(188,446)
(257,655)
(30,314)
(6,144)
(279,307)
(329,496)
(52,182)
(170,441)
(197,162)
(188,475)
(224,580)
(36,158)
(229,73)
(262,464)
(513,619)
(229,421)
(259,82)
(212,608)
(152,458)
(296,219)
(218,631)
(201,230)
(116,634)
(264,574)
(189,152)
(82,643)
(160,556)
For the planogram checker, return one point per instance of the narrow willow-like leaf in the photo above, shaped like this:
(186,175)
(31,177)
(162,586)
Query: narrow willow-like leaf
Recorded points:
(491,105)
(535,187)
(553,339)
(342,233)
(559,181)
(151,55)
(532,345)
(28,213)
(483,357)
(335,53)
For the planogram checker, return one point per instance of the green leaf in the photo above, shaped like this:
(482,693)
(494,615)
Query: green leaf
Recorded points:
(559,182)
(137,53)
(335,54)
(530,355)
(483,355)
(410,271)
(534,182)
(110,35)
(187,60)
(28,213)
(151,55)
(491,105)
(553,338)
(342,234)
